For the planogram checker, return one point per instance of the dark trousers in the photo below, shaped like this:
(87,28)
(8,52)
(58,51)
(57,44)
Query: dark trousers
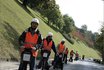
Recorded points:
(76,58)
(58,61)
(23,64)
(65,58)
(71,59)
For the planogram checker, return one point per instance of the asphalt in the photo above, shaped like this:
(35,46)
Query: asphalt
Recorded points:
(76,65)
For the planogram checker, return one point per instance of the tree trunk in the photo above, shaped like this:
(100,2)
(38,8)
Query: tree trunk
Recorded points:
(103,51)
(103,57)
(25,2)
(103,48)
(48,22)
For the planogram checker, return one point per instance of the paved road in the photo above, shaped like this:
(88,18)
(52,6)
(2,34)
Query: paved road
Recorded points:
(76,65)
(83,65)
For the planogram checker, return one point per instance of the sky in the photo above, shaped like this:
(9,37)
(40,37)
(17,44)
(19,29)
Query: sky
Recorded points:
(89,12)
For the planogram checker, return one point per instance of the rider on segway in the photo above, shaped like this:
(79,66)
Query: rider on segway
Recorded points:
(48,44)
(65,55)
(29,41)
(58,62)
(71,56)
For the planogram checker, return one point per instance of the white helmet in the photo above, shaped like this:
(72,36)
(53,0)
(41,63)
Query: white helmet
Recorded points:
(63,40)
(50,34)
(35,20)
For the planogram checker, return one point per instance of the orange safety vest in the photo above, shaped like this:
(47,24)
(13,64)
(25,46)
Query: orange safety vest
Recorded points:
(66,51)
(61,48)
(31,41)
(71,53)
(46,45)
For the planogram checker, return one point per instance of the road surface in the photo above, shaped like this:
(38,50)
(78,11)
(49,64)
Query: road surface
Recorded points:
(76,65)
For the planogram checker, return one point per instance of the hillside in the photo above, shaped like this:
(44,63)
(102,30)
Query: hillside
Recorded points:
(14,19)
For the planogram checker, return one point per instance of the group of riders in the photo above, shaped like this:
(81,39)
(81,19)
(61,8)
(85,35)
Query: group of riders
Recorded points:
(31,41)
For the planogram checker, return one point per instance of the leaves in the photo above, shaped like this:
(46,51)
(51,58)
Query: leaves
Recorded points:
(69,24)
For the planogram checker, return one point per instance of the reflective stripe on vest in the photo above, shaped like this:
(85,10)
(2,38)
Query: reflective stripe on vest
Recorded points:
(46,45)
(61,48)
(30,40)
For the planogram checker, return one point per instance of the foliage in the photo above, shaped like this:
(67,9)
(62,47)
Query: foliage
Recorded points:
(100,42)
(84,27)
(69,24)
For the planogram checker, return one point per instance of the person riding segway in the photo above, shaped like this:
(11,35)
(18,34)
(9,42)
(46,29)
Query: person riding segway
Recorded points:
(71,56)
(65,55)
(29,41)
(58,62)
(48,44)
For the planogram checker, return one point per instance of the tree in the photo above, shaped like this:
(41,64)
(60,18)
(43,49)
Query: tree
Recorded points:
(55,17)
(84,31)
(49,9)
(69,24)
(60,22)
(95,36)
(84,28)
(100,42)
(25,2)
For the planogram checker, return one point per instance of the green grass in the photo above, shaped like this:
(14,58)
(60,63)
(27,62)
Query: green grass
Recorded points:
(14,19)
